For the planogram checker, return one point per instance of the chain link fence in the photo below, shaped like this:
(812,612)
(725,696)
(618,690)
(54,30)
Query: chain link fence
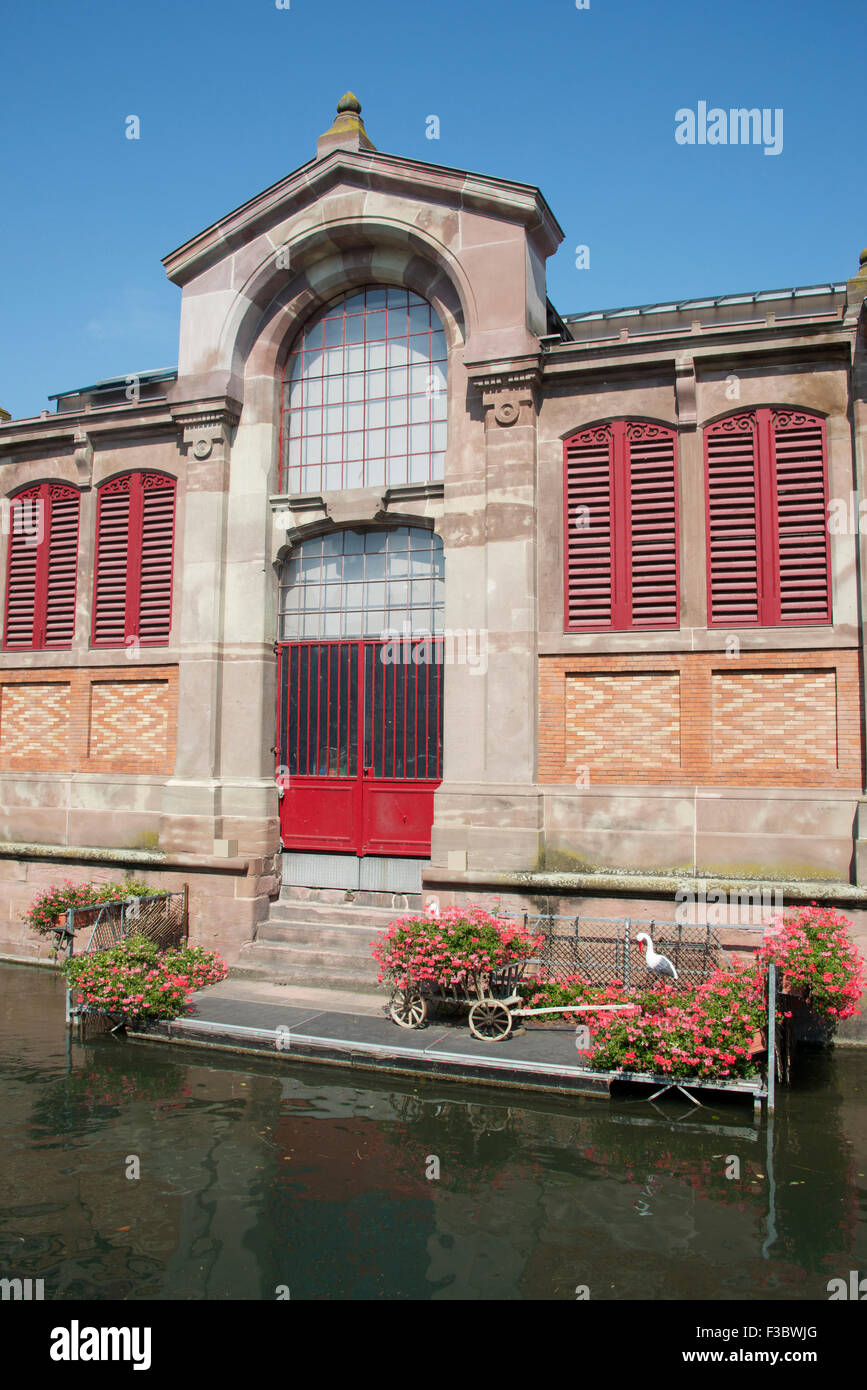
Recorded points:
(604,949)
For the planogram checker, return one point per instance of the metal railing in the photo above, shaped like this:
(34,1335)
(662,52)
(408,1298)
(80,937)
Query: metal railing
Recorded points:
(604,949)
(162,917)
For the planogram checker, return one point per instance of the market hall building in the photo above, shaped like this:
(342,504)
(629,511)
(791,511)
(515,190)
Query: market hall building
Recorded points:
(402,585)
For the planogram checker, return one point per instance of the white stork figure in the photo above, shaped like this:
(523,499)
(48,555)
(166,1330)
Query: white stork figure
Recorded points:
(661,964)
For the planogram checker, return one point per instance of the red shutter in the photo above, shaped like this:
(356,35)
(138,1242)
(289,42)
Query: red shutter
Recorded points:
(62,567)
(21,572)
(799,473)
(112,545)
(42,567)
(588,489)
(768,553)
(621,528)
(732,522)
(653,525)
(157,550)
(134,560)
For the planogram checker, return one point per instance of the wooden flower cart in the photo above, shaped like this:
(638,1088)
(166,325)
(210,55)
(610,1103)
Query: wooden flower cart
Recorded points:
(489,996)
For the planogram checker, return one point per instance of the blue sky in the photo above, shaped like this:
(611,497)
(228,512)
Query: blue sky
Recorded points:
(232,94)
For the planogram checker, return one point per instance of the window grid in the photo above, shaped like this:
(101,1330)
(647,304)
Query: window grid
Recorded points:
(363,584)
(364,399)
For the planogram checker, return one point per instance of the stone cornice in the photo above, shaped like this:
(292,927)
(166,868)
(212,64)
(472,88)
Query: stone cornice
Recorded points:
(72,428)
(626,354)
(513,202)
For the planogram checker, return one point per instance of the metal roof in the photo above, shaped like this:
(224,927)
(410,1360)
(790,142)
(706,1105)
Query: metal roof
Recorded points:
(708,302)
(153,374)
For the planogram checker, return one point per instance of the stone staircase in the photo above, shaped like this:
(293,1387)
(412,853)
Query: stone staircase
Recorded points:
(321,939)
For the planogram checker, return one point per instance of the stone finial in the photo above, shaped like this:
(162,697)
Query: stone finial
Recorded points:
(863,258)
(347,132)
(349,102)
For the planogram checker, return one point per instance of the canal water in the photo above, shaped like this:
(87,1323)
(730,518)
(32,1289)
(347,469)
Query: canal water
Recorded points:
(261,1178)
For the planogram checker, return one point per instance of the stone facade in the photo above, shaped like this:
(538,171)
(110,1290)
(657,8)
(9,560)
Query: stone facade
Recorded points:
(644,751)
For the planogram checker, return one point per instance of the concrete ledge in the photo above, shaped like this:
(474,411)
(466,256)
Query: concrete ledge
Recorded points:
(144,858)
(622,884)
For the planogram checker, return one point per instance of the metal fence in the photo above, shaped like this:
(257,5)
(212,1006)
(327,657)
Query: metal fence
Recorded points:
(162,917)
(603,949)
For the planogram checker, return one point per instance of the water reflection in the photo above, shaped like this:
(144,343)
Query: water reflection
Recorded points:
(257,1174)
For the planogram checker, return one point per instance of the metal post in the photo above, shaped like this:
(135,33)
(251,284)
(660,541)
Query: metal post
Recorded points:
(70,942)
(772,1034)
(626,953)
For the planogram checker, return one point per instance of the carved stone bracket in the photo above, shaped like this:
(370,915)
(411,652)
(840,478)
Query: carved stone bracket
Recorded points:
(83,457)
(205,432)
(687,415)
(508,396)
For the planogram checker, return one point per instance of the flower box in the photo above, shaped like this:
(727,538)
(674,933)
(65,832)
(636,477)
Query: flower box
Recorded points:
(758,1042)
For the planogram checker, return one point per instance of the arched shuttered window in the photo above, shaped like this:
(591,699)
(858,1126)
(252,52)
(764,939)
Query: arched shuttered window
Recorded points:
(767,529)
(42,567)
(621,549)
(132,597)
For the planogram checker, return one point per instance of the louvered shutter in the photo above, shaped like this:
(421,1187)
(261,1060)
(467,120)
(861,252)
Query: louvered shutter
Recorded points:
(621,528)
(767,499)
(62,563)
(653,525)
(112,555)
(134,561)
(800,477)
(42,567)
(157,546)
(589,459)
(731,448)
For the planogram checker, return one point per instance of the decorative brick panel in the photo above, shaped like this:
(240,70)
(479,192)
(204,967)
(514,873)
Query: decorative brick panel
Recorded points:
(775,716)
(34,724)
(116,720)
(129,719)
(787,719)
(639,711)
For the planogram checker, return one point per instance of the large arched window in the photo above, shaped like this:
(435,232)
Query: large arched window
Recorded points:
(364,395)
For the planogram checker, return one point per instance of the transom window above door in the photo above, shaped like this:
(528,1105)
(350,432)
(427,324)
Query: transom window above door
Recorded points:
(363,583)
(364,395)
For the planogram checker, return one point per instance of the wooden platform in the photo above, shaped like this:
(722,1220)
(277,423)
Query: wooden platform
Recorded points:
(538,1059)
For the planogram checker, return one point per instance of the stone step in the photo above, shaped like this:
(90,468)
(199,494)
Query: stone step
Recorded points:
(324,969)
(329,915)
(395,903)
(354,940)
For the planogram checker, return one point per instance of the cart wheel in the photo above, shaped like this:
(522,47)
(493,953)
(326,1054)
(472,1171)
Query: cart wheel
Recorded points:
(408,1008)
(490,1021)
(449,1008)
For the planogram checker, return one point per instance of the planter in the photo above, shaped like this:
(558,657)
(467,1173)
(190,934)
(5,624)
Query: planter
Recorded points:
(758,1043)
(791,987)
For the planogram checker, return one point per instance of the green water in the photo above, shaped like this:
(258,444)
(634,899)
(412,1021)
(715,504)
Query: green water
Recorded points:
(266,1174)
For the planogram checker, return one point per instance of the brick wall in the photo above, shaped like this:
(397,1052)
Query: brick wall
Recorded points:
(100,720)
(789,719)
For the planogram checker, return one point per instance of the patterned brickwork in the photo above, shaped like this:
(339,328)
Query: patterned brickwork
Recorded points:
(34,724)
(128,718)
(641,711)
(787,719)
(775,716)
(116,720)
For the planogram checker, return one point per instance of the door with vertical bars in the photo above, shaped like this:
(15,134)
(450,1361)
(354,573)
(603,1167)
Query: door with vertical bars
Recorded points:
(359,744)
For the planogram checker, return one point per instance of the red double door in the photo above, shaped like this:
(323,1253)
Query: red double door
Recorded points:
(359,745)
